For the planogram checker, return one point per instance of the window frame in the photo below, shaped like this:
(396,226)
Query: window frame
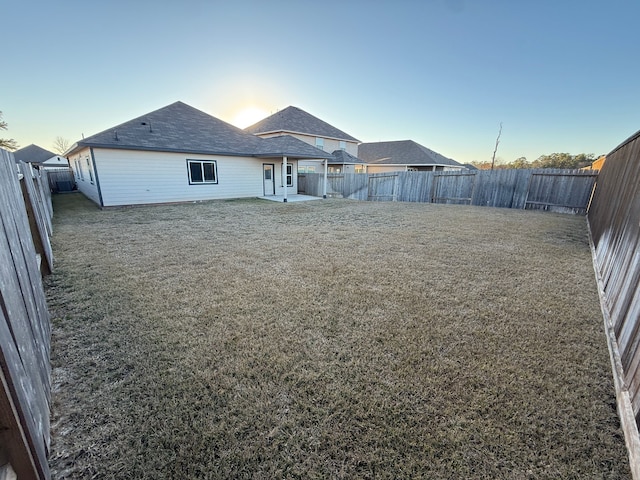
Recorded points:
(89,169)
(289,174)
(202,163)
(320,143)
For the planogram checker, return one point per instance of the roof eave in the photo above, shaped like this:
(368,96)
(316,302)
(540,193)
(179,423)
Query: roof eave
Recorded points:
(293,155)
(169,150)
(414,165)
(307,134)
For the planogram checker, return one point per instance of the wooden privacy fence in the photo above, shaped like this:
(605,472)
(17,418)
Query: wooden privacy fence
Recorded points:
(614,225)
(25,394)
(567,191)
(61,180)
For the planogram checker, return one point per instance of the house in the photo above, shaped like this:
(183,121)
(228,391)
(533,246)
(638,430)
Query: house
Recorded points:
(597,164)
(179,154)
(403,155)
(304,126)
(344,162)
(40,156)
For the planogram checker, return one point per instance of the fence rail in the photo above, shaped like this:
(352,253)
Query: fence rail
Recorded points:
(566,191)
(24,329)
(615,235)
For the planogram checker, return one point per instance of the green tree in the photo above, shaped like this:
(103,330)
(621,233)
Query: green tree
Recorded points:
(563,160)
(520,162)
(7,143)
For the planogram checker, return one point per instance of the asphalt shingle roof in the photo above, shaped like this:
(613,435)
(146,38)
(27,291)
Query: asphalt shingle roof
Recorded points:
(286,145)
(32,153)
(181,128)
(296,120)
(402,152)
(340,156)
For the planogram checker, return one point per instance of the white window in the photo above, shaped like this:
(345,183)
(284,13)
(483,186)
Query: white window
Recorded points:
(289,175)
(343,145)
(320,143)
(78,170)
(89,170)
(201,172)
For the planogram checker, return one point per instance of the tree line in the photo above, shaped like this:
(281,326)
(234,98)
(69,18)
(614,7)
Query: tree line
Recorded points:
(553,160)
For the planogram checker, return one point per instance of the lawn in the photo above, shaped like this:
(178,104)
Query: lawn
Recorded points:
(327,339)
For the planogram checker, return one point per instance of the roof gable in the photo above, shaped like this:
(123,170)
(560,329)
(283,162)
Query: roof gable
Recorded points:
(402,152)
(32,153)
(177,128)
(296,120)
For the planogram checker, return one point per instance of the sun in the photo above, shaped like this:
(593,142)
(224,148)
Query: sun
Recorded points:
(248,116)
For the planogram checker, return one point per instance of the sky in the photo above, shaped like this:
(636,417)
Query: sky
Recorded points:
(559,75)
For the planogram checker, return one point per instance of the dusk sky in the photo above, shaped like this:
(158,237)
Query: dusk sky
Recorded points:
(561,75)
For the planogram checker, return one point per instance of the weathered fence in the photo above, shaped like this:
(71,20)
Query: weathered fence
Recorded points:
(547,189)
(61,180)
(24,334)
(613,220)
(37,196)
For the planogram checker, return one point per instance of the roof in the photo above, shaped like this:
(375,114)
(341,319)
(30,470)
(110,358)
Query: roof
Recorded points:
(402,152)
(179,127)
(296,120)
(341,156)
(286,145)
(33,154)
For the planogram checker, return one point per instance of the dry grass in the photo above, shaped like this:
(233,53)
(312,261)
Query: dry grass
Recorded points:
(328,339)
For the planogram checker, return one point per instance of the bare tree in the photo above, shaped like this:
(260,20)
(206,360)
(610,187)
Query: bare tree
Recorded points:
(8,143)
(61,145)
(493,159)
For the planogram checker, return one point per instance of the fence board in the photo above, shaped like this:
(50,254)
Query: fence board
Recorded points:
(24,335)
(615,239)
(38,215)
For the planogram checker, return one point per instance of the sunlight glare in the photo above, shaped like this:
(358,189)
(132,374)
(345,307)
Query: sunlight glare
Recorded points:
(248,116)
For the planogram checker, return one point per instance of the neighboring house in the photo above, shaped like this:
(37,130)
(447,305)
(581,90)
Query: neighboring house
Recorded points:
(403,155)
(40,156)
(344,162)
(179,153)
(304,126)
(597,164)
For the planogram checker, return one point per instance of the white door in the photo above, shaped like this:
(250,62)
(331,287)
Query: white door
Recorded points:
(269,179)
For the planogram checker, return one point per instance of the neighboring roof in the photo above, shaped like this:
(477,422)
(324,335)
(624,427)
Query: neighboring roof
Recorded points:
(470,166)
(286,145)
(32,154)
(402,152)
(341,156)
(179,127)
(295,120)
